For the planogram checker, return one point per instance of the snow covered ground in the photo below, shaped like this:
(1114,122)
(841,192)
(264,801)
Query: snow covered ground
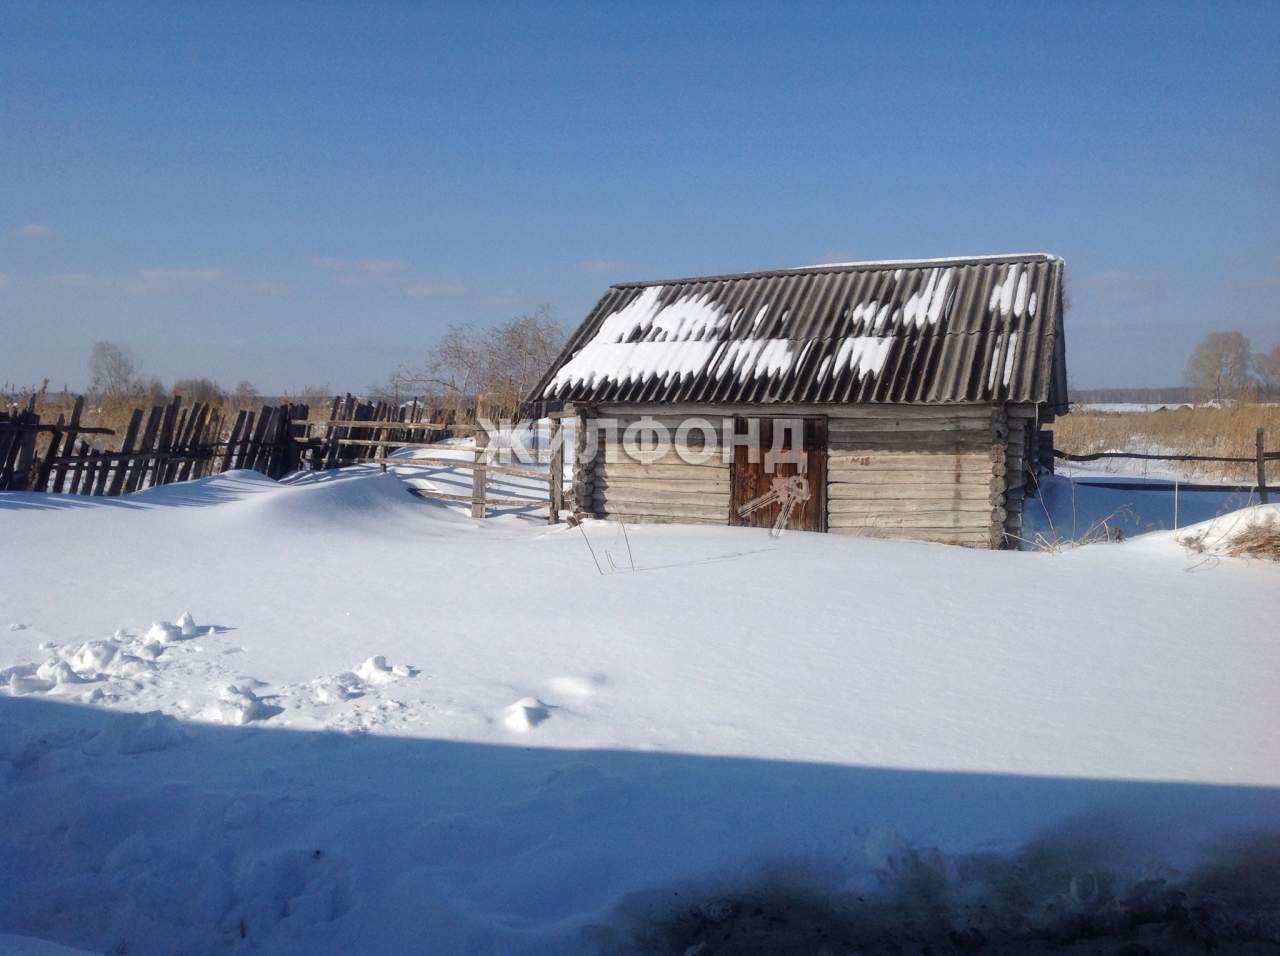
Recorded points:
(377,726)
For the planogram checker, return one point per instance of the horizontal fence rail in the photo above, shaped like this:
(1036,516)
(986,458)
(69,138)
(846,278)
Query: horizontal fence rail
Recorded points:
(1260,458)
(1096,456)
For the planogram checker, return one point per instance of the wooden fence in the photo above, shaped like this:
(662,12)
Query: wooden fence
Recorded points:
(167,444)
(173,442)
(1259,461)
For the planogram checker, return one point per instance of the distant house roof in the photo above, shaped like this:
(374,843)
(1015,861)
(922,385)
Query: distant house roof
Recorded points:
(983,329)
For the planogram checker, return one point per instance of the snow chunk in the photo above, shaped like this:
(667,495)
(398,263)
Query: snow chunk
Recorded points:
(22,680)
(163,632)
(59,672)
(238,705)
(376,670)
(187,624)
(525,714)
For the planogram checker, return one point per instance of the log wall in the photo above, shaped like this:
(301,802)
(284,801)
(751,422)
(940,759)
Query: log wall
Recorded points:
(946,473)
(665,489)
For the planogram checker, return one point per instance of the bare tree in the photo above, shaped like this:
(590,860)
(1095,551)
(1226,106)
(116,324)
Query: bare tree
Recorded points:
(1266,366)
(501,363)
(112,368)
(198,389)
(1219,366)
(151,389)
(245,395)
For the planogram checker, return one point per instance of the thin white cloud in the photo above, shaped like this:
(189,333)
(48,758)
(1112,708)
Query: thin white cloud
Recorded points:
(5,280)
(602,266)
(389,274)
(32,230)
(380,267)
(420,288)
(169,278)
(160,279)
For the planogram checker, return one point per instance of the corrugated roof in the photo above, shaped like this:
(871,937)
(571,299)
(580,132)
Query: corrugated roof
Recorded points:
(926,331)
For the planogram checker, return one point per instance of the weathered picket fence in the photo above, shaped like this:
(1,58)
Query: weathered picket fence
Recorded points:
(167,444)
(175,442)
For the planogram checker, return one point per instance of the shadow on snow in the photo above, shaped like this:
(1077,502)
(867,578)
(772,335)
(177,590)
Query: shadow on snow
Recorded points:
(141,834)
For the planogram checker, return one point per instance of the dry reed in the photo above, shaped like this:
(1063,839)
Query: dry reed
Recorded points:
(1227,432)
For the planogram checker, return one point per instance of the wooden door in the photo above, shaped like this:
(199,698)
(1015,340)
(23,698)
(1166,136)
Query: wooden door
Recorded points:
(751,479)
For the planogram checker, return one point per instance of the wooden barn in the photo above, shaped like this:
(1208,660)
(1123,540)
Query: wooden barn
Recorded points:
(913,397)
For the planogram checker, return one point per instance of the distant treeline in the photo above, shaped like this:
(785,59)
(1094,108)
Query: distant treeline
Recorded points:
(1144,396)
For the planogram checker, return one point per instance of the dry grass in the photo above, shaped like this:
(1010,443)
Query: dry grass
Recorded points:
(1225,432)
(107,412)
(1258,539)
(1261,540)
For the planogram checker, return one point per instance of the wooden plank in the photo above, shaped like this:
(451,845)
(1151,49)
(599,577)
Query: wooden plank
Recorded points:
(676,472)
(270,422)
(7,438)
(944,426)
(667,486)
(104,472)
(909,492)
(168,465)
(121,469)
(906,479)
(246,439)
(557,473)
(968,520)
(93,468)
(912,459)
(919,442)
(615,494)
(206,443)
(26,457)
(977,539)
(1260,446)
(79,466)
(361,425)
(41,481)
(489,502)
(195,430)
(478,477)
(463,465)
(719,512)
(138,469)
(12,428)
(237,429)
(611,454)
(253,446)
(658,519)
(909,506)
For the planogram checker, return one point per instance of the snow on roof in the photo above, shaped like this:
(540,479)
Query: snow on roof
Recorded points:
(936,330)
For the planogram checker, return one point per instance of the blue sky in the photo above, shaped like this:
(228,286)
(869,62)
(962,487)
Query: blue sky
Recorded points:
(305,194)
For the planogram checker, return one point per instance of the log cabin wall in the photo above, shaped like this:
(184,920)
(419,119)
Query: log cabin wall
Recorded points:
(923,472)
(664,490)
(931,473)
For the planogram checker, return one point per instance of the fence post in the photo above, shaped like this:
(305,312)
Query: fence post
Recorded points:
(478,474)
(556,469)
(1261,445)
